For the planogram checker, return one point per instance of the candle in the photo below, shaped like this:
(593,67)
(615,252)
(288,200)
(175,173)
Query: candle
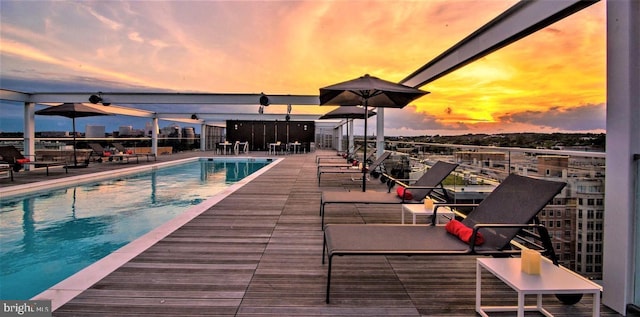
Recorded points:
(530,261)
(428,204)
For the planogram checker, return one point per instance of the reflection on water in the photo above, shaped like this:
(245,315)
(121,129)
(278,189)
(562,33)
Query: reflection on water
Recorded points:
(47,237)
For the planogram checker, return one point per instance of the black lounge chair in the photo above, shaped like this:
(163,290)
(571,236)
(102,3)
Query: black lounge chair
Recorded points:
(16,160)
(498,218)
(120,148)
(343,163)
(100,152)
(350,153)
(374,166)
(419,190)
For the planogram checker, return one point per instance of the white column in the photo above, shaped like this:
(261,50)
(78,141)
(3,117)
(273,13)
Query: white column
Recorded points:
(340,137)
(154,136)
(379,131)
(203,137)
(29,132)
(623,129)
(351,136)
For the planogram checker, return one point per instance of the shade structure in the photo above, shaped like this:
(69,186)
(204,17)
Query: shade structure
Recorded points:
(369,91)
(349,113)
(73,111)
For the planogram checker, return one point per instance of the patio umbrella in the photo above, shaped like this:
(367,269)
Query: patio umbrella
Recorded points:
(369,91)
(73,111)
(347,112)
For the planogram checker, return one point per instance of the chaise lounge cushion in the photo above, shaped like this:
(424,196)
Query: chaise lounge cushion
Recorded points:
(463,232)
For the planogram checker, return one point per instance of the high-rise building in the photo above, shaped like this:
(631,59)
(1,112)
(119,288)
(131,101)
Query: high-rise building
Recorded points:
(575,217)
(590,226)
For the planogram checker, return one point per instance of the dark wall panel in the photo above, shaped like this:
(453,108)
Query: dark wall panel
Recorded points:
(260,133)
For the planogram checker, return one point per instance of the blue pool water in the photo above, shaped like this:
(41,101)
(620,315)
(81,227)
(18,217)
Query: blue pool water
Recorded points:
(46,237)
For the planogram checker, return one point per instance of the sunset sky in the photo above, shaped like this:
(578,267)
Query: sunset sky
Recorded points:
(551,81)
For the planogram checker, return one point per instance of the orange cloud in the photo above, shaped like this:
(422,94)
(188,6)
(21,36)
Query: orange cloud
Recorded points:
(562,66)
(296,47)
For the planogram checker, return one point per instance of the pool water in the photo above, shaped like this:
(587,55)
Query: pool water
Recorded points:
(46,237)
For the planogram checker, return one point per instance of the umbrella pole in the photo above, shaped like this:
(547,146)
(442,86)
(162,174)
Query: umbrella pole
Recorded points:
(75,157)
(364,155)
(348,141)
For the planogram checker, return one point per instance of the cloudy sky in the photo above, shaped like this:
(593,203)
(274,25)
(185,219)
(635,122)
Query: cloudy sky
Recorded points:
(552,81)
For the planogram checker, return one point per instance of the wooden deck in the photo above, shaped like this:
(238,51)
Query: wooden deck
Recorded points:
(258,253)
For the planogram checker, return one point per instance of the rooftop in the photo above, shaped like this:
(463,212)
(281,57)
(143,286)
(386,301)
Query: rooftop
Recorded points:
(258,252)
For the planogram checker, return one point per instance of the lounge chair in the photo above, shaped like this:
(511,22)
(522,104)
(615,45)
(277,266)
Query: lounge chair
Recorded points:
(374,166)
(342,163)
(16,160)
(120,148)
(414,193)
(498,219)
(5,170)
(100,152)
(345,155)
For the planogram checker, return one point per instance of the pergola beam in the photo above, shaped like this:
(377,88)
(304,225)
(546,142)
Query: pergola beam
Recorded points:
(222,117)
(160,98)
(524,18)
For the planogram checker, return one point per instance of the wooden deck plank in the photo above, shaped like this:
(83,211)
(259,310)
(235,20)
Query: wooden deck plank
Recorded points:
(258,253)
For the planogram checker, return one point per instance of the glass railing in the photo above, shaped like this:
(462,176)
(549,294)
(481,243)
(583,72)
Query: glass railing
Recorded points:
(47,146)
(574,218)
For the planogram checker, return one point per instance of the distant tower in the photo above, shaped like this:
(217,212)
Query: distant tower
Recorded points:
(94,131)
(125,130)
(189,135)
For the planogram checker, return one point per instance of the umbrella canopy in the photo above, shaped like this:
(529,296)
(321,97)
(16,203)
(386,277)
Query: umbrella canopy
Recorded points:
(369,91)
(347,112)
(73,111)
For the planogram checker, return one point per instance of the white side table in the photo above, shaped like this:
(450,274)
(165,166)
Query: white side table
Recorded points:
(416,209)
(552,280)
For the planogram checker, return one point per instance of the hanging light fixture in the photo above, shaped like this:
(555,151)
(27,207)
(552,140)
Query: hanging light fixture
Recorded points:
(96,99)
(264,100)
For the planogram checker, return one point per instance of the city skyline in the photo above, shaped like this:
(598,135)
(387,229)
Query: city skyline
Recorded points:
(551,81)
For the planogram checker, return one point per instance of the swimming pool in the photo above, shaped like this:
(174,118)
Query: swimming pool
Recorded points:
(49,235)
